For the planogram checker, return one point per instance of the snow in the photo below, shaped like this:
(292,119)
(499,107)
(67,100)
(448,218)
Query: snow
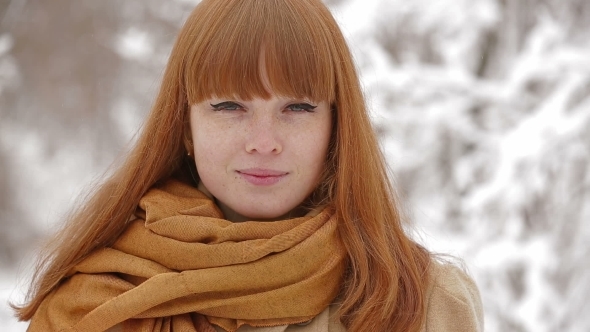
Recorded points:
(134,44)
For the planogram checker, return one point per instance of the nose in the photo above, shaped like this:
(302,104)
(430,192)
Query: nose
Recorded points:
(264,135)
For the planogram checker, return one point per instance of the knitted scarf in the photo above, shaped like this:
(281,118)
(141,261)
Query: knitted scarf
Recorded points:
(181,267)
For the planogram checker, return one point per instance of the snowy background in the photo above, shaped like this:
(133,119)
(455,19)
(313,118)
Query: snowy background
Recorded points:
(483,107)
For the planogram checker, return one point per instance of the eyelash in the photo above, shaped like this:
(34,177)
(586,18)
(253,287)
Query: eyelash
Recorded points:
(231,106)
(226,106)
(303,106)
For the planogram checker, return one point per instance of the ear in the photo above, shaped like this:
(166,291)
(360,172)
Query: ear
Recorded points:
(187,138)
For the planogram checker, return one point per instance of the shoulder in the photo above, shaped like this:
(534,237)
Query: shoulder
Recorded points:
(453,300)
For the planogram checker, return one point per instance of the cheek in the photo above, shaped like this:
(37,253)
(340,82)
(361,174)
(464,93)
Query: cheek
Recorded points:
(323,137)
(316,148)
(211,162)
(211,152)
(209,149)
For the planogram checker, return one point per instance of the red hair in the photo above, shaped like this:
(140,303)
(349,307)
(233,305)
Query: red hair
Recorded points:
(305,55)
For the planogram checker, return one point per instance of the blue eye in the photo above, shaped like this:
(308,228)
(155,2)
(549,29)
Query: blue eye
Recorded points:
(226,106)
(303,107)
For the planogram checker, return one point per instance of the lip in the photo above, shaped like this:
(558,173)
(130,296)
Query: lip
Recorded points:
(261,176)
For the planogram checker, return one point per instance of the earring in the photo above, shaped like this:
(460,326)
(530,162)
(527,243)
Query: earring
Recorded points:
(188,145)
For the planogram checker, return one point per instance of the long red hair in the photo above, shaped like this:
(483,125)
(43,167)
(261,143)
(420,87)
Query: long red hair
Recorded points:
(217,53)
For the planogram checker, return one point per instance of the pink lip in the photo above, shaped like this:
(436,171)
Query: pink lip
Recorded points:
(261,177)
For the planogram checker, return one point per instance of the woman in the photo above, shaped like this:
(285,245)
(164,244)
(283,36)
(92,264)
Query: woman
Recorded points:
(260,117)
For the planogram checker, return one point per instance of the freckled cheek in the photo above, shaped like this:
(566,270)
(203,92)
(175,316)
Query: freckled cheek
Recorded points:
(206,145)
(322,134)
(215,150)
(318,159)
(323,142)
(313,149)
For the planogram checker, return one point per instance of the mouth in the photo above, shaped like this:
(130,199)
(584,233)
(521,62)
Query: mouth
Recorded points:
(262,177)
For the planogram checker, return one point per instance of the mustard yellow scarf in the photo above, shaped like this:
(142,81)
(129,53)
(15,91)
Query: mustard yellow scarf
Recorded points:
(181,267)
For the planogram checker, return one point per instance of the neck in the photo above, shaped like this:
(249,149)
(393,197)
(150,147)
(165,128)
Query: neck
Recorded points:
(233,216)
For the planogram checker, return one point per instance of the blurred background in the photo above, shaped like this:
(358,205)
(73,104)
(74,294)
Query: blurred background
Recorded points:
(482,106)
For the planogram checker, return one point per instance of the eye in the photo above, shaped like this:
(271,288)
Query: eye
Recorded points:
(226,106)
(302,107)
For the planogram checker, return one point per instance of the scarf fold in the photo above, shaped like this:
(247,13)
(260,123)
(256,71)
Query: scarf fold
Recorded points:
(180,263)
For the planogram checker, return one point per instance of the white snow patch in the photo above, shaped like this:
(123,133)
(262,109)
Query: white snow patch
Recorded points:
(134,44)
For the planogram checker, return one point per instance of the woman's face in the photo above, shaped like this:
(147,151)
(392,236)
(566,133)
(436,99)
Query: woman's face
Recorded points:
(260,158)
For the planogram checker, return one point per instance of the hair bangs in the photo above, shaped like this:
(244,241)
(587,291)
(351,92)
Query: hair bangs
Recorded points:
(253,48)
